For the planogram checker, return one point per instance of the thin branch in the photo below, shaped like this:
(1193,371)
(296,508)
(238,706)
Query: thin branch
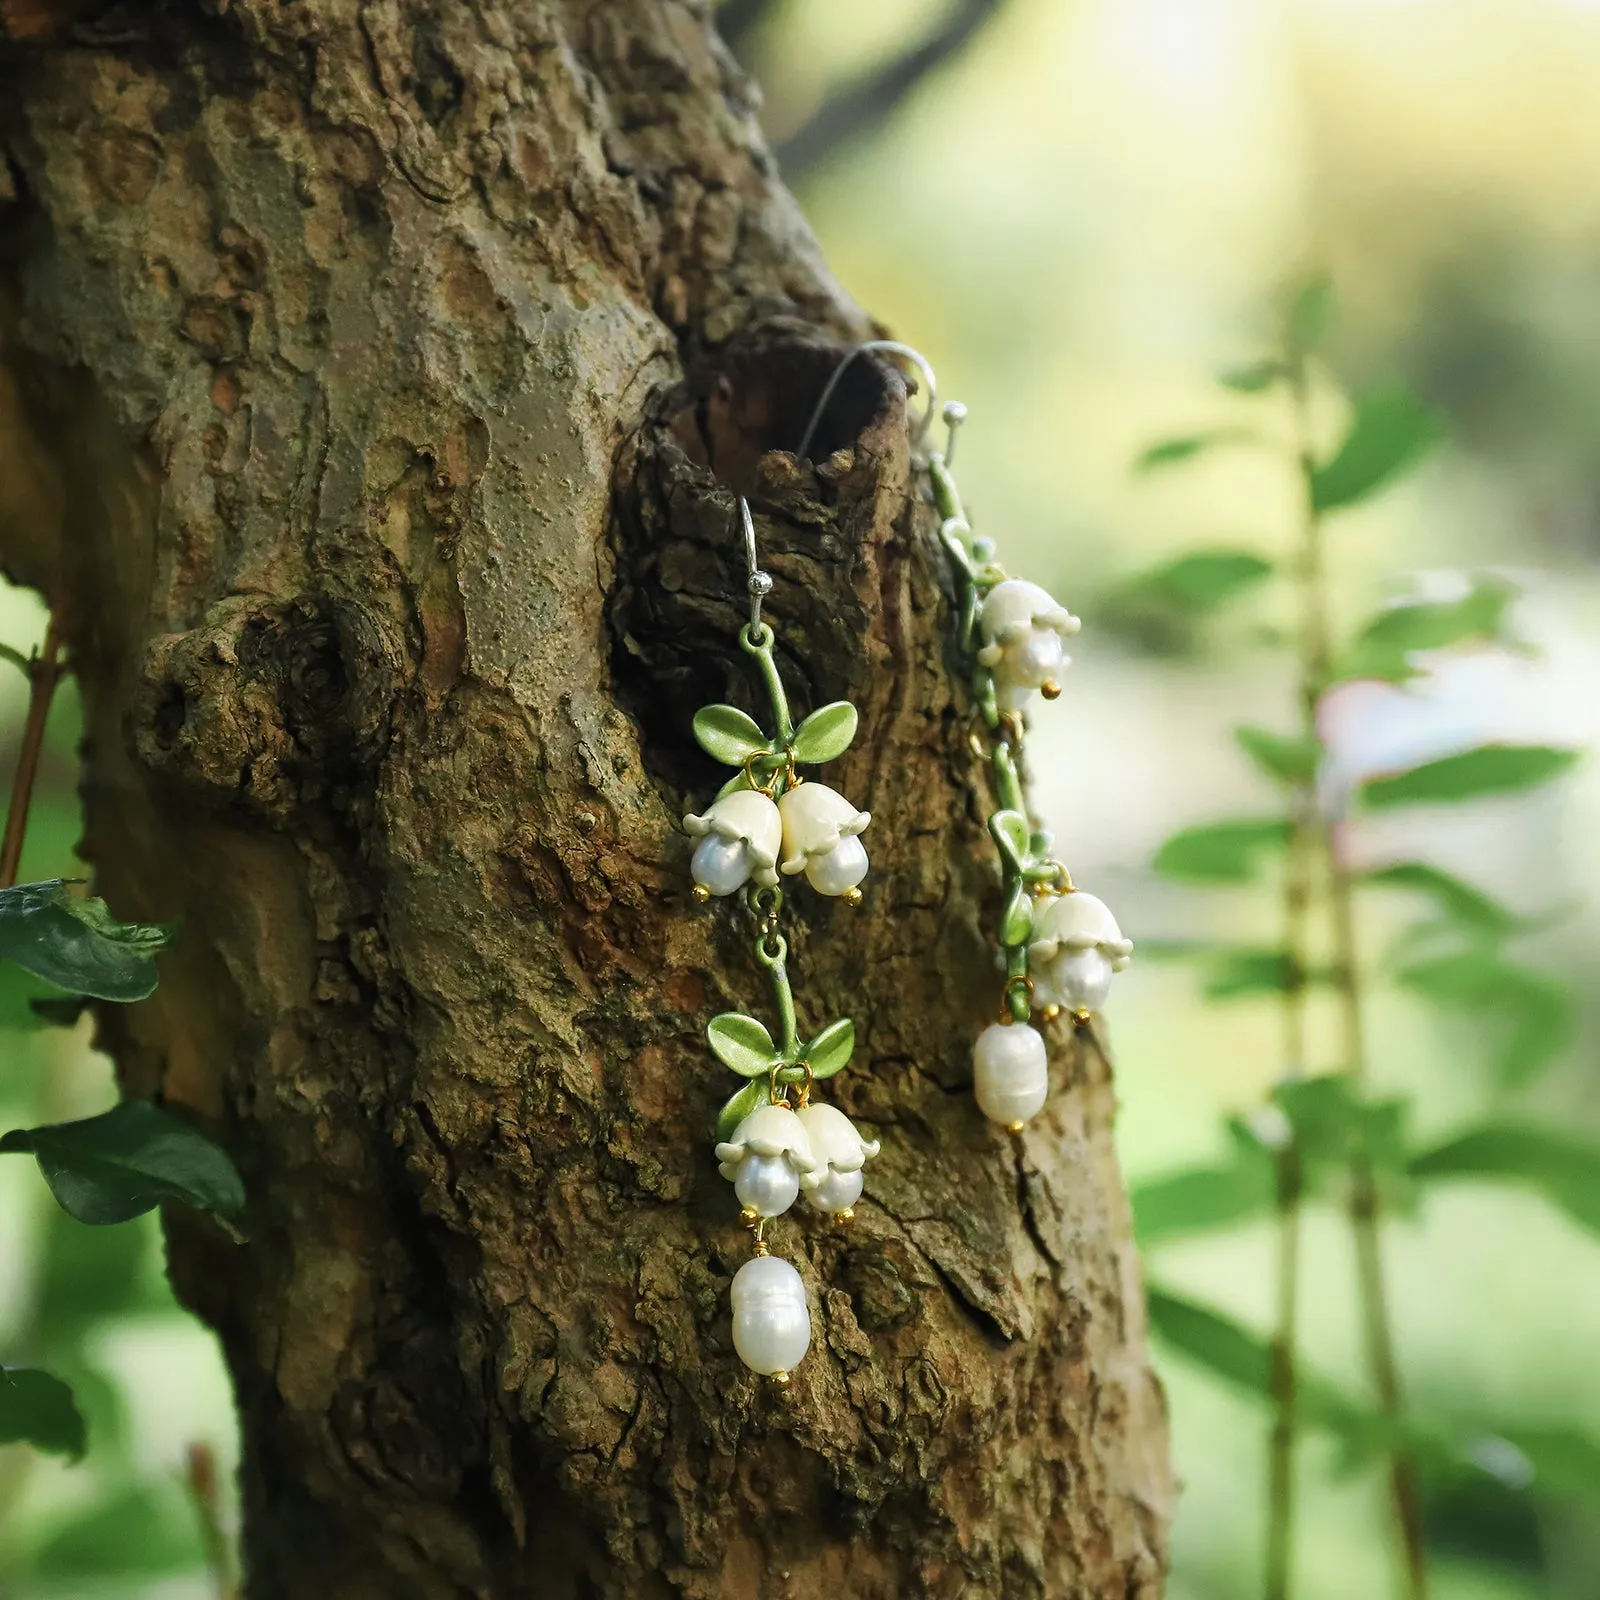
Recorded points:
(863,105)
(44,673)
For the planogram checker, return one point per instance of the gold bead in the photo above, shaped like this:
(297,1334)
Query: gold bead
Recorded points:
(851,897)
(701,893)
(780,1380)
(749,1216)
(1083,1016)
(1051,1013)
(1015,1127)
(1051,690)
(845,1217)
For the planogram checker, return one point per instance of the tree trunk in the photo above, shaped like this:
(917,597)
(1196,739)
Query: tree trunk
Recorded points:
(374,382)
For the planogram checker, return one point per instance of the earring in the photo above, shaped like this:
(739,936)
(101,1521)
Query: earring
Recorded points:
(774,1142)
(1059,945)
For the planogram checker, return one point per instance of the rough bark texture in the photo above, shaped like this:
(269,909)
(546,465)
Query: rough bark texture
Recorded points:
(374,379)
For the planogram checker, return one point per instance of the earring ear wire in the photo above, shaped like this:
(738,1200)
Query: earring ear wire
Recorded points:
(890,347)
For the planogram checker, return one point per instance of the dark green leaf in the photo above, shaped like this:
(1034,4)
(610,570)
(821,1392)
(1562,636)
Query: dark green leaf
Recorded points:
(726,734)
(1491,769)
(1333,1122)
(1220,852)
(1388,432)
(38,1409)
(1384,648)
(75,943)
(127,1161)
(1201,1199)
(1566,1171)
(825,734)
(1288,757)
(742,1043)
(1310,317)
(831,1049)
(130,1533)
(1456,899)
(755,1093)
(1234,974)
(1253,378)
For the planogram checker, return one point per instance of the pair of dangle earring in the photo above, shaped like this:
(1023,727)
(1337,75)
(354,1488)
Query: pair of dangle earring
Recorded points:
(774,1140)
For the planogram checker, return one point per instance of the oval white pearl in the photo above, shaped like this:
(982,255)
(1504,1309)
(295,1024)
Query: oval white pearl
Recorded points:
(771,1322)
(1010,1073)
(1035,659)
(840,869)
(838,1191)
(720,865)
(767,1184)
(1080,980)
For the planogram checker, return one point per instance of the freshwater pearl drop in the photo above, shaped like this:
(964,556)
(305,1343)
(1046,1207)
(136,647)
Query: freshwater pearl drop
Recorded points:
(771,1322)
(839,1191)
(1036,659)
(720,865)
(1010,1075)
(1080,980)
(769,1185)
(840,869)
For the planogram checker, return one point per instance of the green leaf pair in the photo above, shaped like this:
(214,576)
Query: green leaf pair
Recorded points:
(744,1044)
(728,735)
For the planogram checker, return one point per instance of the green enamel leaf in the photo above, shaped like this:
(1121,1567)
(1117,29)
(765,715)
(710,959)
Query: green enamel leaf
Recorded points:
(726,734)
(1012,836)
(825,734)
(1491,769)
(127,1161)
(1389,431)
(742,1043)
(38,1409)
(1017,922)
(755,1093)
(75,943)
(831,1049)
(1220,852)
(1288,757)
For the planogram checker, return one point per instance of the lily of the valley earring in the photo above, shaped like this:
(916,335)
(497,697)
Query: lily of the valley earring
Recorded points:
(1058,945)
(774,1142)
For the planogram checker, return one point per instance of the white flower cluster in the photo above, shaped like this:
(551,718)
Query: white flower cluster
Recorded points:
(1024,630)
(810,828)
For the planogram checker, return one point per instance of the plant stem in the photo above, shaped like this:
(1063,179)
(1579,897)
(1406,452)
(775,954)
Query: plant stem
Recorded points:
(44,673)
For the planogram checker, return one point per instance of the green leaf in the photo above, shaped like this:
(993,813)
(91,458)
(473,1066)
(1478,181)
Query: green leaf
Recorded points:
(1384,648)
(1170,452)
(1012,837)
(38,1409)
(1252,378)
(1200,581)
(1310,317)
(127,1161)
(1535,1016)
(755,1093)
(742,1043)
(726,734)
(75,943)
(1220,852)
(825,734)
(1389,431)
(1236,973)
(1291,758)
(1458,901)
(1016,922)
(831,1049)
(1491,769)
(1566,1171)
(1332,1122)
(1562,1458)
(1202,1199)
(128,1534)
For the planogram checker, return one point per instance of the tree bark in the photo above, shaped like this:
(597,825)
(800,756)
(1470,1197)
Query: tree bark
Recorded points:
(374,382)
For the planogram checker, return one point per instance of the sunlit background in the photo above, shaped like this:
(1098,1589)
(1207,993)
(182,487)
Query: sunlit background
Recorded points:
(1084,213)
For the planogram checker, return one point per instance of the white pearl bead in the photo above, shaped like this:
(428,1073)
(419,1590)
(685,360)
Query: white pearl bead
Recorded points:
(1010,1076)
(771,1322)
(1035,659)
(768,1184)
(720,865)
(840,869)
(838,1191)
(1080,980)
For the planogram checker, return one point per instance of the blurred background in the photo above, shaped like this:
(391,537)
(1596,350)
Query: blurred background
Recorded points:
(1081,210)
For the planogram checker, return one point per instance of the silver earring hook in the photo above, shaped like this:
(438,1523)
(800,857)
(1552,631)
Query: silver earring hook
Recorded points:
(757,582)
(889,347)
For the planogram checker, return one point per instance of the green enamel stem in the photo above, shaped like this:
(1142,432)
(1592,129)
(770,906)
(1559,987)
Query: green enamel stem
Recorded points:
(1007,781)
(782,997)
(761,649)
(1018,996)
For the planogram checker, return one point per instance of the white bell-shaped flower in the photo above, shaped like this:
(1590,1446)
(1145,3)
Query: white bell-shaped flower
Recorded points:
(740,836)
(834,1183)
(820,838)
(771,1320)
(1023,633)
(1010,1073)
(1076,946)
(766,1158)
